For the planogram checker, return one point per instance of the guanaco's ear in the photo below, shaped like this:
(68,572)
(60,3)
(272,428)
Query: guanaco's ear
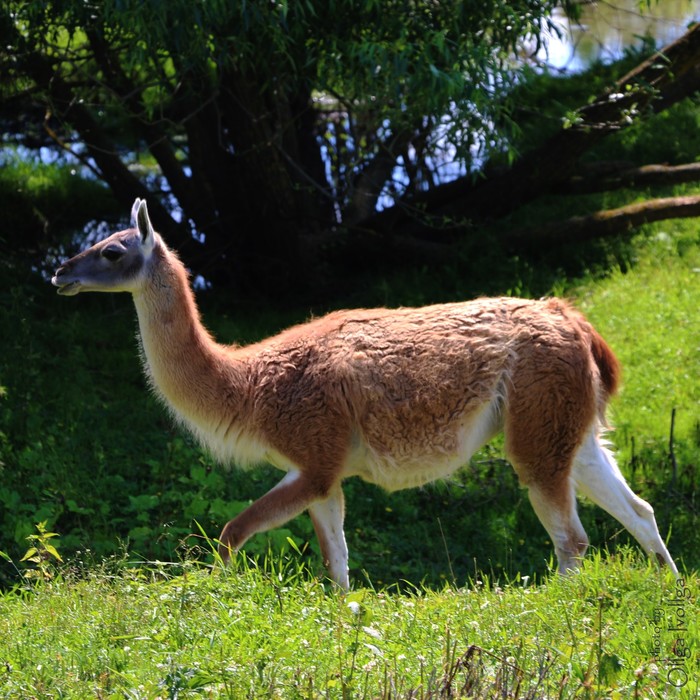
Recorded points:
(143,223)
(135,210)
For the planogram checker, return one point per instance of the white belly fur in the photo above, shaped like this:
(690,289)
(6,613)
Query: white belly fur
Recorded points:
(393,474)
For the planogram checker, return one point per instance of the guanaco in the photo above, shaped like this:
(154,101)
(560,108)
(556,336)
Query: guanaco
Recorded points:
(398,397)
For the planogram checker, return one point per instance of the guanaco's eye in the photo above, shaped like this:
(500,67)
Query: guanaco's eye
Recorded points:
(112,254)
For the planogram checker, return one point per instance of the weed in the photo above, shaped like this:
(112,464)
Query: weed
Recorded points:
(42,554)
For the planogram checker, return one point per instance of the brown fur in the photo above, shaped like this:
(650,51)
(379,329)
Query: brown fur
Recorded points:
(398,397)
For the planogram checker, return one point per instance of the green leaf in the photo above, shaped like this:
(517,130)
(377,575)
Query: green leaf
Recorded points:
(610,666)
(32,551)
(53,552)
(293,545)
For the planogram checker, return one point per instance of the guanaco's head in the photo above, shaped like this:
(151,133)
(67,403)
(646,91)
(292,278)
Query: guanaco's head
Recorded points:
(116,264)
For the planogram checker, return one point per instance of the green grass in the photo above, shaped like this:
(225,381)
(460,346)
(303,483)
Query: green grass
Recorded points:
(276,632)
(650,316)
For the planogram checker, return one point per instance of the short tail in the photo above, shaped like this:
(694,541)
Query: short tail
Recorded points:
(608,365)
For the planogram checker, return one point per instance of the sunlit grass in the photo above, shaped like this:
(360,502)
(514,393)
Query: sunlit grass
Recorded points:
(650,317)
(279,633)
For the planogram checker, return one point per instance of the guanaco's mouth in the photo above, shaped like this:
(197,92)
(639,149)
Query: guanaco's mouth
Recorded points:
(67,289)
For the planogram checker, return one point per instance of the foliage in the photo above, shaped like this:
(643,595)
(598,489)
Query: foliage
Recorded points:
(544,100)
(315,106)
(42,554)
(45,202)
(616,630)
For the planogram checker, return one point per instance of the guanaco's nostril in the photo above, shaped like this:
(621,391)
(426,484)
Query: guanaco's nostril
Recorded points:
(62,270)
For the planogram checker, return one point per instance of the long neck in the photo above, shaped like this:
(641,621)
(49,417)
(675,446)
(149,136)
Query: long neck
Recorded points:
(199,379)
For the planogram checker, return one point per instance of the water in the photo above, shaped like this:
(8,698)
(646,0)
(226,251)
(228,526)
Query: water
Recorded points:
(607,29)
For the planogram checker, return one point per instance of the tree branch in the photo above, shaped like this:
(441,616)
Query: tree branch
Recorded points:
(157,140)
(653,85)
(604,223)
(121,181)
(630,177)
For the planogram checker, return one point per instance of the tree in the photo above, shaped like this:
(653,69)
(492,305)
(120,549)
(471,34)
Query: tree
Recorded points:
(667,76)
(282,133)
(268,121)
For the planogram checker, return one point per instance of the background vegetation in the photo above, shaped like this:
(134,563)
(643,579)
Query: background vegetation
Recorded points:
(453,595)
(283,145)
(312,106)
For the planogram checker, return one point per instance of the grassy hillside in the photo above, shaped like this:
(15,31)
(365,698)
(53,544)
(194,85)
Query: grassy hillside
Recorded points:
(85,448)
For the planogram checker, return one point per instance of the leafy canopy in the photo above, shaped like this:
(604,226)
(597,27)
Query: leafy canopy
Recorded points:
(323,106)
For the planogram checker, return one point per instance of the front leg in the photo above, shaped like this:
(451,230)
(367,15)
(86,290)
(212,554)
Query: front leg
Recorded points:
(327,517)
(290,497)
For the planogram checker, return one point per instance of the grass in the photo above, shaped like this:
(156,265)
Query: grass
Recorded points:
(276,632)
(649,316)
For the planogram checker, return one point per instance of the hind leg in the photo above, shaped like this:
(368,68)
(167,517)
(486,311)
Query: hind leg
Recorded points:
(546,475)
(541,443)
(555,506)
(597,477)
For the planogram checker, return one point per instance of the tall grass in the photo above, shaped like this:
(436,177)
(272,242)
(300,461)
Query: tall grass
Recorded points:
(618,629)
